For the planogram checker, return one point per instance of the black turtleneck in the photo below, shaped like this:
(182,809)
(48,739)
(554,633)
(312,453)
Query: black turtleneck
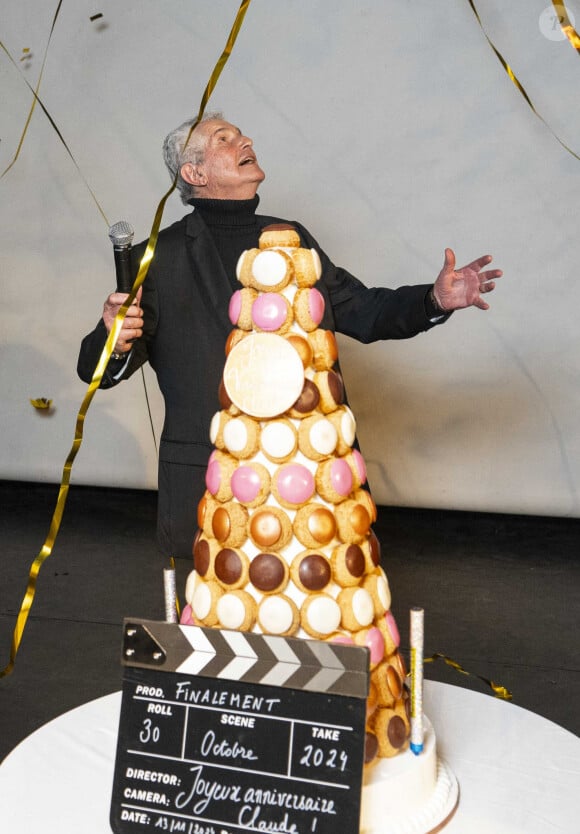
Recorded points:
(234,227)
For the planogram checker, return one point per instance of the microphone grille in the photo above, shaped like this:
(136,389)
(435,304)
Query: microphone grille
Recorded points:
(121,233)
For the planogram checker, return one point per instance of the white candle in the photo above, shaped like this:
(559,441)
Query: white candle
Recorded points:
(170,595)
(416,639)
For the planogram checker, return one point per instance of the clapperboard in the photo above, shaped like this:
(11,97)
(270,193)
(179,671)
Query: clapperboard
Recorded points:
(223,732)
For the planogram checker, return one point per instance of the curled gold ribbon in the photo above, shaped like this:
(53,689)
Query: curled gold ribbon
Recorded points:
(566,25)
(34,92)
(498,690)
(62,496)
(36,99)
(515,80)
(104,357)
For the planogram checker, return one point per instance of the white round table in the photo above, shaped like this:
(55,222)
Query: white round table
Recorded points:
(518,773)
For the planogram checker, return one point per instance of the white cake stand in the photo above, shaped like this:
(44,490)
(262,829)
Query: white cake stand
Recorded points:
(409,794)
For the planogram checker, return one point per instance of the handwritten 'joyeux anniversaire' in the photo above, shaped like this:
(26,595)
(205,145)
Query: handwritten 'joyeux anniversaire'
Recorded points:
(223,758)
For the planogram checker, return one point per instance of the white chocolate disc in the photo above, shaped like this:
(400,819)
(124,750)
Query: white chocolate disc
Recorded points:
(384,592)
(190,586)
(275,615)
(263,375)
(231,611)
(201,602)
(324,615)
(278,440)
(348,426)
(362,607)
(323,436)
(236,435)
(214,427)
(240,263)
(317,264)
(269,268)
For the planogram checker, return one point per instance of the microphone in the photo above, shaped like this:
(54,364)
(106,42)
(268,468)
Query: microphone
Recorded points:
(121,236)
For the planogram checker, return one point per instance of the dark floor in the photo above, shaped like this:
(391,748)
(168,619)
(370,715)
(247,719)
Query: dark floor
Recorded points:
(501,596)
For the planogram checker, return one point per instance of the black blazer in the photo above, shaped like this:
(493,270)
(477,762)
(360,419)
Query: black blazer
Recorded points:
(185,302)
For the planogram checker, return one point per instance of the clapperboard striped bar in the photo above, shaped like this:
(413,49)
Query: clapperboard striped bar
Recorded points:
(310,665)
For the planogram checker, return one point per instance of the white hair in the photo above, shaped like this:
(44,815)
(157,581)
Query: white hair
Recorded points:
(176,152)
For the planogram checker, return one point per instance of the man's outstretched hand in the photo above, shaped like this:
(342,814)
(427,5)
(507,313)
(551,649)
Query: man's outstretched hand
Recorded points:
(455,289)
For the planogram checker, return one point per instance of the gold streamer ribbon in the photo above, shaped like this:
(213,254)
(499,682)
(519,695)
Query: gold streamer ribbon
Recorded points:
(566,25)
(105,356)
(36,99)
(34,92)
(516,82)
(498,690)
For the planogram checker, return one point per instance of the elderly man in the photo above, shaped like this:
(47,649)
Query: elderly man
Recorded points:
(179,322)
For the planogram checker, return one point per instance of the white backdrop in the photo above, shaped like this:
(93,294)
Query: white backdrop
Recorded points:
(390,130)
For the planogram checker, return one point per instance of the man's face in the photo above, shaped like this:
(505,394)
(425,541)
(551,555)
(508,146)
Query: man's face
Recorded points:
(229,170)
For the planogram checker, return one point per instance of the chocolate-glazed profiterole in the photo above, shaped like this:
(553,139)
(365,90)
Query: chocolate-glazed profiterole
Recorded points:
(231,568)
(268,573)
(307,401)
(311,571)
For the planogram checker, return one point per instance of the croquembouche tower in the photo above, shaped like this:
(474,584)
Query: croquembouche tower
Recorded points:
(285,544)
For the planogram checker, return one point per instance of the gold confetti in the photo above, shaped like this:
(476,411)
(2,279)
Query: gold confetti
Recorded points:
(41,403)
